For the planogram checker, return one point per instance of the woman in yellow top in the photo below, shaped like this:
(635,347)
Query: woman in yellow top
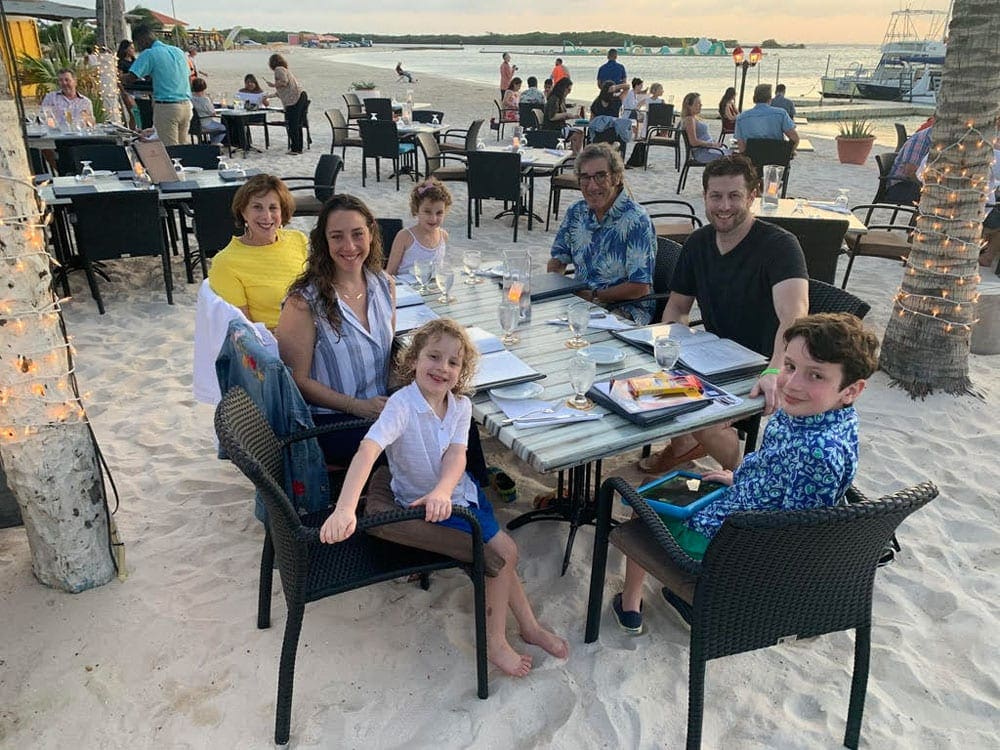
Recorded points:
(255,269)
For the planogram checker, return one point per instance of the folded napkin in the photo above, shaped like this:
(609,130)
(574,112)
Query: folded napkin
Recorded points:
(603,323)
(829,207)
(528,413)
(556,152)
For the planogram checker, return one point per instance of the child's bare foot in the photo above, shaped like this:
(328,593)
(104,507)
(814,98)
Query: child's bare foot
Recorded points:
(509,661)
(547,640)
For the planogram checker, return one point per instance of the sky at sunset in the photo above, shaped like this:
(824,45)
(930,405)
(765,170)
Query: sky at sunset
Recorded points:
(809,21)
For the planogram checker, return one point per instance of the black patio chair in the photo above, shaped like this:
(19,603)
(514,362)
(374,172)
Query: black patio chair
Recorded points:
(885,163)
(890,231)
(427,116)
(355,109)
(469,138)
(764,151)
(380,140)
(542,138)
(827,298)
(689,160)
(822,242)
(311,193)
(64,152)
(343,134)
(388,228)
(660,131)
(526,116)
(672,218)
(501,118)
(667,254)
(766,578)
(901,135)
(494,175)
(311,570)
(381,107)
(214,226)
(102,156)
(204,155)
(563,178)
(445,167)
(124,224)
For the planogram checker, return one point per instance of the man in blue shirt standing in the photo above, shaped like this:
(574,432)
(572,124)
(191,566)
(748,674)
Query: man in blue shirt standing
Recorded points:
(171,85)
(764,121)
(612,70)
(782,102)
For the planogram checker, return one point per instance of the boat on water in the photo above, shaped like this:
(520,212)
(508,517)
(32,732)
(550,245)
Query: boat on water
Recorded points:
(910,67)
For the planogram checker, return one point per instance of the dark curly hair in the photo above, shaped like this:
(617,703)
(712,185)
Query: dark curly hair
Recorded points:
(320,270)
(841,339)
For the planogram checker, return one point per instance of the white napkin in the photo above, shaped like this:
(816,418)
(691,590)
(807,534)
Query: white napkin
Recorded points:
(829,207)
(556,152)
(605,323)
(527,413)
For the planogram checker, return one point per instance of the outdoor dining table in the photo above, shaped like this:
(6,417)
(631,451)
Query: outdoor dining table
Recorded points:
(238,122)
(535,161)
(809,209)
(577,448)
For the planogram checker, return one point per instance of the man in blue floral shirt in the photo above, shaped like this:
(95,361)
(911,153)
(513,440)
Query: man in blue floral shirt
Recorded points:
(809,453)
(608,237)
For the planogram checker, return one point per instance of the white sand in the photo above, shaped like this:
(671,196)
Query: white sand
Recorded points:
(172,657)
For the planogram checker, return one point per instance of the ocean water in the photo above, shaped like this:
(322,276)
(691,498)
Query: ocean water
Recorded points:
(799,69)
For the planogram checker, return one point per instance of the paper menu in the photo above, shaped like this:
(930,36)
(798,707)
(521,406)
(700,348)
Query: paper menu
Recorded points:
(407,296)
(485,341)
(414,316)
(701,351)
(503,368)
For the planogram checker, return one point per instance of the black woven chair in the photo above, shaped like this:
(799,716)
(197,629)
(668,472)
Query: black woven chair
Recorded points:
(311,570)
(563,178)
(689,159)
(64,152)
(380,140)
(543,138)
(660,131)
(763,151)
(355,109)
(826,298)
(901,136)
(469,138)
(885,163)
(445,167)
(890,230)
(822,242)
(766,578)
(389,228)
(204,155)
(526,117)
(427,116)
(381,107)
(310,193)
(667,254)
(213,223)
(672,218)
(493,175)
(102,156)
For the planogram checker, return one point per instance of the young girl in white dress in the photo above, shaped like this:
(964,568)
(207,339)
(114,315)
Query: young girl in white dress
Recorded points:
(424,429)
(426,240)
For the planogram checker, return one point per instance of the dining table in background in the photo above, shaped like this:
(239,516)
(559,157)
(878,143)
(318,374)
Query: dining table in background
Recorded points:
(574,448)
(800,208)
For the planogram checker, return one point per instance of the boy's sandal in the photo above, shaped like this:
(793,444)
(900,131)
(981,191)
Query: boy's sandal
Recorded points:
(502,484)
(630,622)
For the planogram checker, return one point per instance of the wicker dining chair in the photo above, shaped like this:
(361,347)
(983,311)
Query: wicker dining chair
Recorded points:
(766,578)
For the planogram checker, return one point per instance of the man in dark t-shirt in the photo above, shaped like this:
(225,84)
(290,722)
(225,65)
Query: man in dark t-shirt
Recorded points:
(750,281)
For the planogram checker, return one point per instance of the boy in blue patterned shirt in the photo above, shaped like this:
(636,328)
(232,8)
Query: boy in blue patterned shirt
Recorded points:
(809,453)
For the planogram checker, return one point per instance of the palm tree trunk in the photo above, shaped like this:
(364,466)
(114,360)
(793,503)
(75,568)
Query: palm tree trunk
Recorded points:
(926,345)
(111,26)
(45,444)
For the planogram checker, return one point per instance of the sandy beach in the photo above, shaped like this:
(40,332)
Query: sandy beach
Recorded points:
(172,658)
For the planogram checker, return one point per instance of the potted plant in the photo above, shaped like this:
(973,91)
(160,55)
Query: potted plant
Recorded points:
(854,142)
(365,90)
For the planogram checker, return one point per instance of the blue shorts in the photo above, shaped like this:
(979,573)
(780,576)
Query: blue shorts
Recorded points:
(483,514)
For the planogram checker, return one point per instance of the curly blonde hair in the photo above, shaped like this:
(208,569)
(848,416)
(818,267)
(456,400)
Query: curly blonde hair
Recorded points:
(406,359)
(431,189)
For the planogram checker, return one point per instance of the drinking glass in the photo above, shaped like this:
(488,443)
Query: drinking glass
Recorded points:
(666,350)
(223,164)
(422,273)
(480,145)
(582,371)
(86,171)
(841,201)
(509,315)
(471,260)
(578,318)
(561,144)
(178,167)
(445,277)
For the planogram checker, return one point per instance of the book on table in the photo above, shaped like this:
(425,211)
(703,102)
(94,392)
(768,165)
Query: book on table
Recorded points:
(717,359)
(554,285)
(413,316)
(498,366)
(618,395)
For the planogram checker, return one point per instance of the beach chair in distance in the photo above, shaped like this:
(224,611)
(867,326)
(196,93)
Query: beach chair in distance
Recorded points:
(766,578)
(310,570)
(672,218)
(310,193)
(822,242)
(886,237)
(469,138)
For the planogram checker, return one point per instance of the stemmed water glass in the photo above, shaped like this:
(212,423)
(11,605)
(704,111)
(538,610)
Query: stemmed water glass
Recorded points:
(422,271)
(509,314)
(86,171)
(582,371)
(444,275)
(841,201)
(667,351)
(178,167)
(578,318)
(471,260)
(223,164)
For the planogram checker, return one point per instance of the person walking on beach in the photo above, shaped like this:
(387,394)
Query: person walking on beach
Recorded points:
(750,281)
(612,70)
(559,71)
(506,74)
(171,84)
(808,456)
(423,430)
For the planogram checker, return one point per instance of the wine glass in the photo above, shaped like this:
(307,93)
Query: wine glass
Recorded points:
(480,145)
(422,273)
(667,351)
(561,144)
(471,260)
(178,167)
(509,314)
(582,371)
(578,318)
(86,171)
(841,201)
(223,164)
(444,275)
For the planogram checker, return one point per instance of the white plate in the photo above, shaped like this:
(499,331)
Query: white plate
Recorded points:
(520,391)
(194,169)
(603,355)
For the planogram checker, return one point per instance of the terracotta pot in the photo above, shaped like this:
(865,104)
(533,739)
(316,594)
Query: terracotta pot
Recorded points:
(854,150)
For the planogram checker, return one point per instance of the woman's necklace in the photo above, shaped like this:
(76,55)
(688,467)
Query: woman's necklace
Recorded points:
(351,295)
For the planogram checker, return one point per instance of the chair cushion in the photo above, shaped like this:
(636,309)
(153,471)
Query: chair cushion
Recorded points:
(677,231)
(420,534)
(883,244)
(451,173)
(661,140)
(453,148)
(306,204)
(565,182)
(634,540)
